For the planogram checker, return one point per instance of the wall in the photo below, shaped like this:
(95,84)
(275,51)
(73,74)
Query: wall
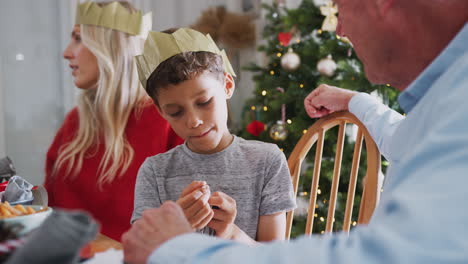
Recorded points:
(2,130)
(32,93)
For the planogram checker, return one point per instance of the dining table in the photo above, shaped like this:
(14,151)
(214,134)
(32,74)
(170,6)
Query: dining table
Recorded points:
(100,244)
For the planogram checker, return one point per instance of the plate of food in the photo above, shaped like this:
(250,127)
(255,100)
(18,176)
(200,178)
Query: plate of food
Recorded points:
(28,216)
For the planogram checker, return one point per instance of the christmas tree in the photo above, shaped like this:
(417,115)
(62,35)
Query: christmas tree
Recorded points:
(303,52)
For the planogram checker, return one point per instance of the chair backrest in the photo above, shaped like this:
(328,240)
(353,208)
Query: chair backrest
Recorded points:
(371,187)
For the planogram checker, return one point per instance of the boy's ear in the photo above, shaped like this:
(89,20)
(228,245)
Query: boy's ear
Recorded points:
(229,85)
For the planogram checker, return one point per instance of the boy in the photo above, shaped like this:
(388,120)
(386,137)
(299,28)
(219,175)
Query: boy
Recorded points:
(189,80)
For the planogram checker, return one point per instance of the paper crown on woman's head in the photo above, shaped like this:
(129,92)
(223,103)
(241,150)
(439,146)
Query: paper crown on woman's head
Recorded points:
(114,16)
(161,46)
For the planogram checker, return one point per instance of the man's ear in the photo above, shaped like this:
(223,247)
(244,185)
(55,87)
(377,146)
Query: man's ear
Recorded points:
(229,85)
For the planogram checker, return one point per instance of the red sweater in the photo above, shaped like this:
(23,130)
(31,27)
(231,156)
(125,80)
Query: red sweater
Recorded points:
(112,206)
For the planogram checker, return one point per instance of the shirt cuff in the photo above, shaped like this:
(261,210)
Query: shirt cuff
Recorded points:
(185,247)
(361,103)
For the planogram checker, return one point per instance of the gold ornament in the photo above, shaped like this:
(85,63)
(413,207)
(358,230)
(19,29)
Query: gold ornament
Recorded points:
(290,61)
(113,16)
(279,131)
(331,20)
(327,66)
(161,46)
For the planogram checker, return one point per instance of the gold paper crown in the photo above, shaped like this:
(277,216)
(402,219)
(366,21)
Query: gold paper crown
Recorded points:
(161,46)
(113,16)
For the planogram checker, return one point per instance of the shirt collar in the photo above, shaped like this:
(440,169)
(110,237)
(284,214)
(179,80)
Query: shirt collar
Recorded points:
(411,95)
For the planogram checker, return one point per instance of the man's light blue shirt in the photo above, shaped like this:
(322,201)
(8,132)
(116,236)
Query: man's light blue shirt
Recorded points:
(422,216)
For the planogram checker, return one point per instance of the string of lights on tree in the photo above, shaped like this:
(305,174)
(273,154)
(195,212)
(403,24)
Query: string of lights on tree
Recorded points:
(302,52)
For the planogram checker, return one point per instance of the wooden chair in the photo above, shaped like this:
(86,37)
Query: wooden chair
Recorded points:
(371,188)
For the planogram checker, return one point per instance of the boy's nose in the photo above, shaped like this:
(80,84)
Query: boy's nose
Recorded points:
(194,121)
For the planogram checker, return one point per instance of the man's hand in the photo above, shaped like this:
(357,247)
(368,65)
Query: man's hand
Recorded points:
(194,203)
(224,215)
(154,228)
(327,99)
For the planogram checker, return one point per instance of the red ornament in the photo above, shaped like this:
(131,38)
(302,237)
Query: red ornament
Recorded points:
(284,38)
(255,128)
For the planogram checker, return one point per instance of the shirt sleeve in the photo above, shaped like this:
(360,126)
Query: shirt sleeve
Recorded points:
(167,253)
(380,120)
(194,248)
(146,192)
(277,193)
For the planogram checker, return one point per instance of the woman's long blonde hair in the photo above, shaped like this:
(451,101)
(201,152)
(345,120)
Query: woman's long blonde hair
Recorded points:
(105,110)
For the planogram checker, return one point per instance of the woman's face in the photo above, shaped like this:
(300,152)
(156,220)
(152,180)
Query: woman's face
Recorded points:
(83,63)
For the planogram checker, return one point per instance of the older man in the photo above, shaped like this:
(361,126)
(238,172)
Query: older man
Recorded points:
(420,47)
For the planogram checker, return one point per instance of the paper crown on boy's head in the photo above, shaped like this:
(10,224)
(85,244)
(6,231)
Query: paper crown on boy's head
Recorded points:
(114,16)
(161,46)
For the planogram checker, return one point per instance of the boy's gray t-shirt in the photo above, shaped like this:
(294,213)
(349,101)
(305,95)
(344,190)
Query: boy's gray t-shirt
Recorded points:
(253,173)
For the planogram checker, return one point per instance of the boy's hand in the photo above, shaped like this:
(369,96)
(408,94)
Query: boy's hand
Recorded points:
(224,215)
(194,203)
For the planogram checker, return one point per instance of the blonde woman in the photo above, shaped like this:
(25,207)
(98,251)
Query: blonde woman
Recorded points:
(95,156)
